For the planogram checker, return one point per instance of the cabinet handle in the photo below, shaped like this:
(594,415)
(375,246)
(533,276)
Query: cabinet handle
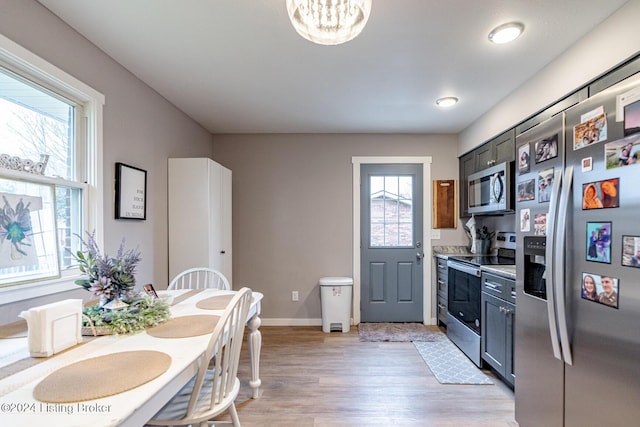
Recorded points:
(505,310)
(493,286)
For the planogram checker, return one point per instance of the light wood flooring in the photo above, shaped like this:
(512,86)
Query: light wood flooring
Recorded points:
(311,378)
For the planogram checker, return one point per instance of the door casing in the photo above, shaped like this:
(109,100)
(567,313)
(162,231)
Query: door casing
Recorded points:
(426,238)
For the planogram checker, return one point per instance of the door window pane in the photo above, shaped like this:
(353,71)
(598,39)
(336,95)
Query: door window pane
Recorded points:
(391,210)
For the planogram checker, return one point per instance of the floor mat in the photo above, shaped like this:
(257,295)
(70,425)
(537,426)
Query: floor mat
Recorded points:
(398,332)
(448,364)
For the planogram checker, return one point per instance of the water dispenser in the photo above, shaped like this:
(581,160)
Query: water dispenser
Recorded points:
(534,266)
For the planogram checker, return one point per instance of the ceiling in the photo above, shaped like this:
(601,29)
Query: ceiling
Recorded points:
(238,66)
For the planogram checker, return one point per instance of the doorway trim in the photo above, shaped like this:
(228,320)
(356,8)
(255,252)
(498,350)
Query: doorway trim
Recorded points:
(426,229)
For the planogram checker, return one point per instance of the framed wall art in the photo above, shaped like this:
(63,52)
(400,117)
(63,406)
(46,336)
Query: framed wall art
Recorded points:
(131,192)
(28,237)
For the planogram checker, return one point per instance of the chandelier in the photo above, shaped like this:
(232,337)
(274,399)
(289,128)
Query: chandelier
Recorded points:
(329,22)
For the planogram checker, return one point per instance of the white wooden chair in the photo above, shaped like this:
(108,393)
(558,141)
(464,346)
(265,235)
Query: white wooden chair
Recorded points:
(215,388)
(200,278)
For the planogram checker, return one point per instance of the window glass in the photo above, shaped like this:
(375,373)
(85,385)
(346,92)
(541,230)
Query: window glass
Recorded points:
(391,211)
(39,125)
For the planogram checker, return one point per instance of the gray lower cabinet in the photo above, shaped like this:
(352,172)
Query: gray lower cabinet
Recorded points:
(498,324)
(442,278)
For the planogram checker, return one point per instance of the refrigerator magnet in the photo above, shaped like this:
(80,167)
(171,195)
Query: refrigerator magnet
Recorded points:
(523,159)
(587,164)
(601,194)
(599,242)
(540,224)
(631,251)
(601,289)
(546,148)
(623,152)
(591,129)
(545,185)
(525,219)
(527,190)
(632,118)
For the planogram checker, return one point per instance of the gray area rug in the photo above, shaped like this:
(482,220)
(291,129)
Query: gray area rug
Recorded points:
(448,364)
(398,332)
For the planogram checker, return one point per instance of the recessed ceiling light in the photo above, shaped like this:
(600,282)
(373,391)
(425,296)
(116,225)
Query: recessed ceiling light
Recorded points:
(506,33)
(447,101)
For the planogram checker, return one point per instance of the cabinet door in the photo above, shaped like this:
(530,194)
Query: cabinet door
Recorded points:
(494,333)
(467,167)
(484,156)
(504,147)
(442,278)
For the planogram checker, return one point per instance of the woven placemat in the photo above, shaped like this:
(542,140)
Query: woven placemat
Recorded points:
(14,330)
(219,302)
(102,376)
(186,295)
(185,326)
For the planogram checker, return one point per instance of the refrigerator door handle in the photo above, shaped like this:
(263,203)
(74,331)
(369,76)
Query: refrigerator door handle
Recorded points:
(558,261)
(550,269)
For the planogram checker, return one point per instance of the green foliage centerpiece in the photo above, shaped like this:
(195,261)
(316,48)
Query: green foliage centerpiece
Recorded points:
(109,278)
(112,279)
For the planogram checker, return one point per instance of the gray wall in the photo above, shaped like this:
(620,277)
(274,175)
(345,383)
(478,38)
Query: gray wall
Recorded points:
(292,208)
(140,128)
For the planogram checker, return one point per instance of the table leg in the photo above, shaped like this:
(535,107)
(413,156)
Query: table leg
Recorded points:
(254,340)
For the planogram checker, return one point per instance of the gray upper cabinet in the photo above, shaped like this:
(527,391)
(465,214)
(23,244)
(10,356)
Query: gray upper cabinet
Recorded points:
(498,150)
(551,111)
(467,167)
(609,79)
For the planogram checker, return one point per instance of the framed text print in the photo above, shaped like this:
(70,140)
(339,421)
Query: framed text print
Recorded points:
(131,192)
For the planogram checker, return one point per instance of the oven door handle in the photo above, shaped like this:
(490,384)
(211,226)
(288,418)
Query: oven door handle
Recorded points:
(474,271)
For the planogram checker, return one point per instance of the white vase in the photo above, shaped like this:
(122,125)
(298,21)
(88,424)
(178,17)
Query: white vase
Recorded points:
(113,304)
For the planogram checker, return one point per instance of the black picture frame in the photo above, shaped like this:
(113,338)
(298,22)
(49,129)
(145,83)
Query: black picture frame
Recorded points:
(131,192)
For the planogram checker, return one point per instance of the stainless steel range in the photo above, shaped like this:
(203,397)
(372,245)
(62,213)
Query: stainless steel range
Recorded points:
(464,294)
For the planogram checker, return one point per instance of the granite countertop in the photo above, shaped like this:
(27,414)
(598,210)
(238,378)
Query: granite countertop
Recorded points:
(445,251)
(508,271)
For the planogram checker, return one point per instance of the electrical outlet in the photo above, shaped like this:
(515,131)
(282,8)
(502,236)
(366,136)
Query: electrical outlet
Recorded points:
(435,233)
(294,296)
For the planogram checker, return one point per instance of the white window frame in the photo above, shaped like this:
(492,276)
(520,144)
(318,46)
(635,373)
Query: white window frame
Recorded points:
(31,66)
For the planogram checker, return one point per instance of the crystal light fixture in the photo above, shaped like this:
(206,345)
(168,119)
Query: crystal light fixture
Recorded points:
(329,22)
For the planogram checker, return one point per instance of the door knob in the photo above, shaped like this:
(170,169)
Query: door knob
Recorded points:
(420,255)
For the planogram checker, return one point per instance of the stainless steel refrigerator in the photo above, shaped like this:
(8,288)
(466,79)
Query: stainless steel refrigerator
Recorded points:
(577,352)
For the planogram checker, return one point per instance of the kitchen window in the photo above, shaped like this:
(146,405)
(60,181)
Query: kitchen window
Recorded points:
(53,120)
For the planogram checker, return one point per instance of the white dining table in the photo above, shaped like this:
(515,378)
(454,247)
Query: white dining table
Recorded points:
(135,407)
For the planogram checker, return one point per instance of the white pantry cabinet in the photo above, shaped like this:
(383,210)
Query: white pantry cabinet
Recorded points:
(199,216)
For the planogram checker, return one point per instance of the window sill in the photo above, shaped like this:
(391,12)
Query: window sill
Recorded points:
(11,294)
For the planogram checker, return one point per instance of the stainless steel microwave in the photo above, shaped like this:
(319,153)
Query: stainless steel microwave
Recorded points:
(490,190)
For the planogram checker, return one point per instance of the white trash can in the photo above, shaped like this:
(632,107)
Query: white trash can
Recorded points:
(335,297)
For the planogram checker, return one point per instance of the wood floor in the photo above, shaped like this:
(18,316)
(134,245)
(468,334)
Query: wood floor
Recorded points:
(311,378)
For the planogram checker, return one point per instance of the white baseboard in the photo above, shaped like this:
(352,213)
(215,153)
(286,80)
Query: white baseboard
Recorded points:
(309,322)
